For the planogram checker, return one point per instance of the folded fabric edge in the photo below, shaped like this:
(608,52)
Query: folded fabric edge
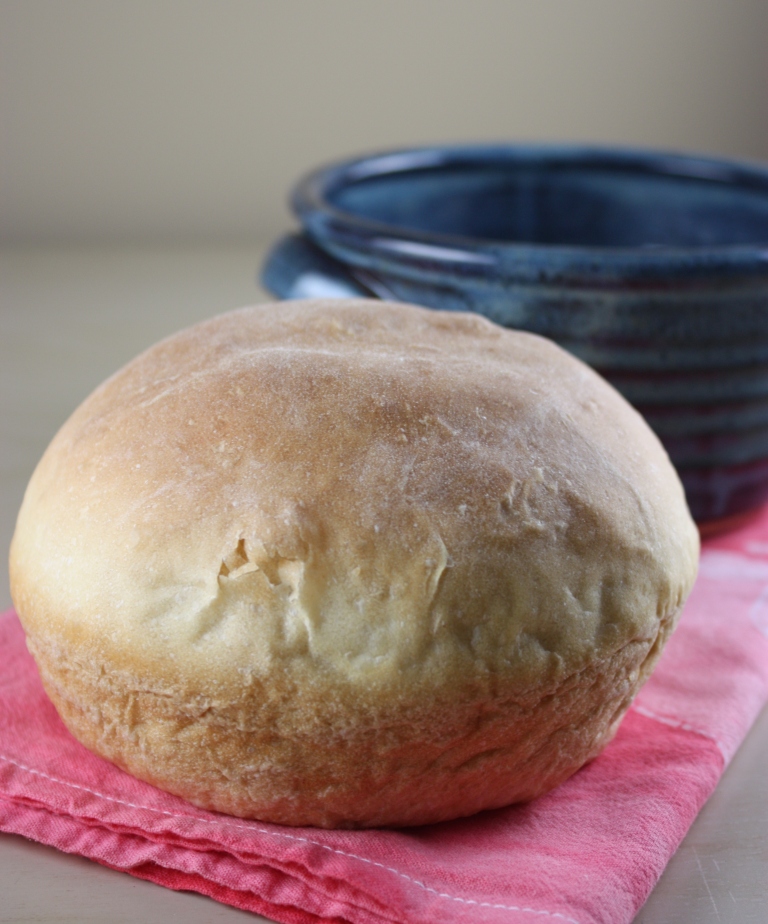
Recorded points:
(288,902)
(245,901)
(43,824)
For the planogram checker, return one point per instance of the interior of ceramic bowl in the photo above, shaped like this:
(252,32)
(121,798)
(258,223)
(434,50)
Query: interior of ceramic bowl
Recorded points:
(580,201)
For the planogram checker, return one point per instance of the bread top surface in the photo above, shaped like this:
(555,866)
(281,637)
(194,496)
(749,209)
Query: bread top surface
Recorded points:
(352,495)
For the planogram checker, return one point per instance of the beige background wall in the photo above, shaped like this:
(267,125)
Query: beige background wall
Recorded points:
(149,120)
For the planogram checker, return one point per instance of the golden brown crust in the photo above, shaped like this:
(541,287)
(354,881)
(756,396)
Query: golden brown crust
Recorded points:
(351,563)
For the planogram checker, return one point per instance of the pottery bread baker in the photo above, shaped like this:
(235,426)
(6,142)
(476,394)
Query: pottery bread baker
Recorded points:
(351,563)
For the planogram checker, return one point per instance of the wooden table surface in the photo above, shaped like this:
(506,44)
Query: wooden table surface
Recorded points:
(71,317)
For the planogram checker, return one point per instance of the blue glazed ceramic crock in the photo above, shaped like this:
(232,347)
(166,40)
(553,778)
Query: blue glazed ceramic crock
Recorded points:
(651,267)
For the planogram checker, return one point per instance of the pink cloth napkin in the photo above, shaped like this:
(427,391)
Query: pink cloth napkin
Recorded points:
(589,852)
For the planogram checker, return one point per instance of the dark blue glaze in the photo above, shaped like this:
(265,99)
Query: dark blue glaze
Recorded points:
(651,267)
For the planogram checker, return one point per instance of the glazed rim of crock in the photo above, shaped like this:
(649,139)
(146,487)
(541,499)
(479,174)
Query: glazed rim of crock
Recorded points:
(408,251)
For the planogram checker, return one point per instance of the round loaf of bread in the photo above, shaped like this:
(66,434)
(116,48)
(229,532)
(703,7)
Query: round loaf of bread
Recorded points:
(351,563)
